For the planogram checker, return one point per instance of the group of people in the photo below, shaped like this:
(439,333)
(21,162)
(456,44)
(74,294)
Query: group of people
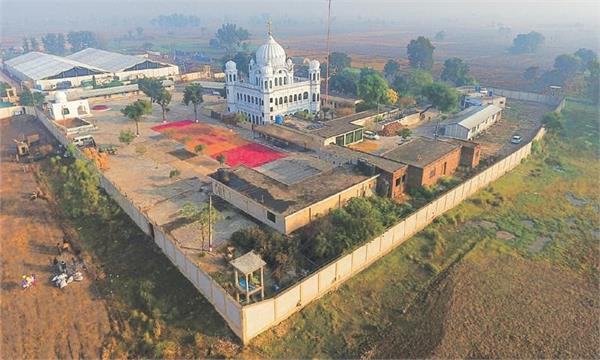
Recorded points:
(63,273)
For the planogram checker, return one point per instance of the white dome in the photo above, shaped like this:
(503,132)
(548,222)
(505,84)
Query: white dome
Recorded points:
(270,53)
(60,97)
(313,65)
(230,65)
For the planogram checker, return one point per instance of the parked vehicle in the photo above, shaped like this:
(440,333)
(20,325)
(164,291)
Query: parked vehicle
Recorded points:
(84,141)
(368,134)
(516,139)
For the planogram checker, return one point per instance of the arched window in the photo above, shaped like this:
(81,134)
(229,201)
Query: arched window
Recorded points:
(285,80)
(317,96)
(295,97)
(233,77)
(290,98)
(299,97)
(266,84)
(314,97)
(270,84)
(276,81)
(276,102)
(285,99)
(305,95)
(280,101)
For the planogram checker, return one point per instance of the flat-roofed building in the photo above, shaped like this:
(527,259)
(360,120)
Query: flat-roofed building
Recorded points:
(288,194)
(428,160)
(470,122)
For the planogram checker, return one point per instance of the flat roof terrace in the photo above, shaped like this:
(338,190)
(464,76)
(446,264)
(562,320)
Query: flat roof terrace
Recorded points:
(287,199)
(421,151)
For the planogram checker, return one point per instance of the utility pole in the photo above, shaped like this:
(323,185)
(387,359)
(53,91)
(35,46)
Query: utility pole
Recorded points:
(210,222)
(327,63)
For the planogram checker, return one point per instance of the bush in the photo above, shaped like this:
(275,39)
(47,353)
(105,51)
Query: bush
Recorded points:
(166,350)
(126,136)
(174,173)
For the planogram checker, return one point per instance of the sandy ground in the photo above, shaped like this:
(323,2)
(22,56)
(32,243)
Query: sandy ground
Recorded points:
(42,322)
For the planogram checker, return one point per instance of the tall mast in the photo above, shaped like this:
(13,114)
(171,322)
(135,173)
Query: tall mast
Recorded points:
(327,62)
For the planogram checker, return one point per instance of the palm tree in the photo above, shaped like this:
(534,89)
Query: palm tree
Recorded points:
(193,94)
(135,111)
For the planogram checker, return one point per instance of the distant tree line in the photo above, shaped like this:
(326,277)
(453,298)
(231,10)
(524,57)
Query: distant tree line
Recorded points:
(527,43)
(57,43)
(175,21)
(230,37)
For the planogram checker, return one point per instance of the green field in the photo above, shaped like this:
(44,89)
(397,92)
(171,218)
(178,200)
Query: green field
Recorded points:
(530,204)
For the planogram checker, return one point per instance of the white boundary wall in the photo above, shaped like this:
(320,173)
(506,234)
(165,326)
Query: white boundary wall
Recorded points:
(260,316)
(225,305)
(250,320)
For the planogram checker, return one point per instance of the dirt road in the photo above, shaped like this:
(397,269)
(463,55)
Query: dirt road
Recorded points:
(42,322)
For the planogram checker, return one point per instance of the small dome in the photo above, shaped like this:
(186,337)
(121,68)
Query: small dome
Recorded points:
(60,97)
(230,65)
(270,53)
(313,65)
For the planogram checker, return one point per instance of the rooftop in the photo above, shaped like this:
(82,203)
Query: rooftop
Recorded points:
(421,151)
(473,115)
(38,66)
(286,134)
(342,125)
(248,263)
(107,60)
(287,199)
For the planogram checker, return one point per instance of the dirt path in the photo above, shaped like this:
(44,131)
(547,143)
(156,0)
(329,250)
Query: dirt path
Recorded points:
(42,322)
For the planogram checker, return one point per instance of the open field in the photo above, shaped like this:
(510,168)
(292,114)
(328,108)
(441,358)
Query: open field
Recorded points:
(42,322)
(536,228)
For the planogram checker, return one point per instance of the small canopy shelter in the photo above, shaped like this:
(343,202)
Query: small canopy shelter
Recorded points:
(246,265)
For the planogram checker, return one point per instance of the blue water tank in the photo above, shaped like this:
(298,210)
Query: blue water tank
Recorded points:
(490,93)
(278,119)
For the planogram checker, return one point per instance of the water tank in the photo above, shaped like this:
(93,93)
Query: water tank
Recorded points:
(490,93)
(278,119)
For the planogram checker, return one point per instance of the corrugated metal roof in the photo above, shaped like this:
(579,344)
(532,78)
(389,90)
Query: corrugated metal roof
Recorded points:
(110,61)
(474,115)
(37,66)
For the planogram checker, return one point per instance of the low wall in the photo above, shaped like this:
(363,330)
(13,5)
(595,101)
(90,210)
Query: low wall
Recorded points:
(229,309)
(529,96)
(10,111)
(263,315)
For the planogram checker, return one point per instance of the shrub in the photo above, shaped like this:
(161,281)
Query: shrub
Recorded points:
(166,350)
(174,173)
(221,159)
(126,136)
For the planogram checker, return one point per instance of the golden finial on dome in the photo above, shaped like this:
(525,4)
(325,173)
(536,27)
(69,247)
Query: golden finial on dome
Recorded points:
(269,23)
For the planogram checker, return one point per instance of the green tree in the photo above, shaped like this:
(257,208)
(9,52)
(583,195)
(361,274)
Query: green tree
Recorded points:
(193,95)
(34,44)
(391,69)
(586,56)
(567,64)
(202,218)
(456,71)
(420,53)
(242,61)
(372,87)
(346,81)
(442,96)
(26,47)
(531,73)
(163,100)
(54,43)
(527,43)
(221,159)
(338,61)
(440,35)
(230,37)
(136,111)
(198,149)
(411,83)
(80,40)
(34,99)
(593,81)
(404,133)
(126,136)
(151,87)
(553,121)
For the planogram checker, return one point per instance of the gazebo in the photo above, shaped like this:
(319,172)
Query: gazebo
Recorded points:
(247,265)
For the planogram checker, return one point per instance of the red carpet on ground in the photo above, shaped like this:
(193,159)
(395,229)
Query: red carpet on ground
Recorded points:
(251,155)
(100,108)
(171,125)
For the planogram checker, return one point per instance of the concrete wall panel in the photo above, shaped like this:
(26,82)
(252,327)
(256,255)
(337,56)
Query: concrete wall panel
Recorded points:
(259,316)
(344,267)
(373,248)
(218,297)
(309,288)
(409,228)
(359,257)
(399,232)
(204,284)
(287,302)
(234,312)
(326,277)
(387,239)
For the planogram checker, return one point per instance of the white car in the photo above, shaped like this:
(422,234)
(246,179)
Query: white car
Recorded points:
(370,135)
(516,139)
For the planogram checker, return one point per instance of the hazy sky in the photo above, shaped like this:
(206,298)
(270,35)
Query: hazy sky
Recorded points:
(20,17)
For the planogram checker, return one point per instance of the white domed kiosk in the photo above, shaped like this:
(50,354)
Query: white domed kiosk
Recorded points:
(62,108)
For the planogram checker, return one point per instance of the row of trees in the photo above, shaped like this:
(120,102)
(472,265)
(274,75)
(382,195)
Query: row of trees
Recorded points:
(176,21)
(579,72)
(57,43)
(230,37)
